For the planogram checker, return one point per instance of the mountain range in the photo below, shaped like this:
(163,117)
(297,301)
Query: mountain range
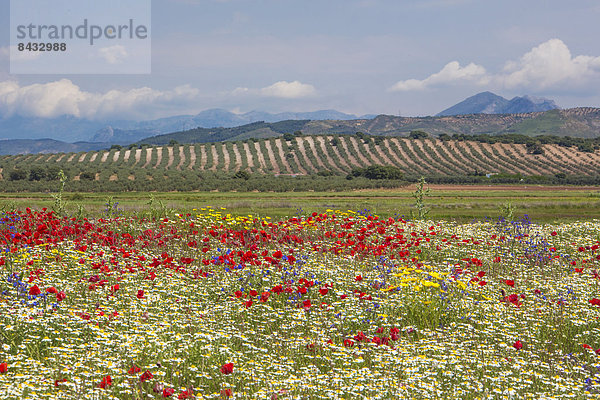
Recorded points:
(490,103)
(72,129)
(577,122)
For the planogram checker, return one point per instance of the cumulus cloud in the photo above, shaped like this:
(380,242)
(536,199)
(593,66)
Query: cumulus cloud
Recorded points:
(288,90)
(281,89)
(63,97)
(113,54)
(451,73)
(547,66)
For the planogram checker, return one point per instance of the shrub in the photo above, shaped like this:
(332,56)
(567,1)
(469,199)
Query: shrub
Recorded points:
(379,172)
(242,175)
(18,175)
(37,173)
(418,135)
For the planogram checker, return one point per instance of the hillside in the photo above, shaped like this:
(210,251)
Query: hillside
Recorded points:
(182,165)
(576,122)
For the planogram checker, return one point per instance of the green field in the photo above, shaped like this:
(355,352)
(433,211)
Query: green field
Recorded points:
(461,203)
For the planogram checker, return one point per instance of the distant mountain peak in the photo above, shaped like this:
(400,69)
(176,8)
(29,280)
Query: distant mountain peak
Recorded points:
(491,103)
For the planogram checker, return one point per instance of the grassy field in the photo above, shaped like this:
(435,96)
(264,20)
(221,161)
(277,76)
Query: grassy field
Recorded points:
(461,203)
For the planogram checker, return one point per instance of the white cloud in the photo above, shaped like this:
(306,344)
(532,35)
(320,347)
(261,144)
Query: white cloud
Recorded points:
(288,90)
(63,97)
(547,66)
(281,89)
(451,73)
(113,54)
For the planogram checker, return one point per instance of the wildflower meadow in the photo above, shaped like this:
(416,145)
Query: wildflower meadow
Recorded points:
(330,305)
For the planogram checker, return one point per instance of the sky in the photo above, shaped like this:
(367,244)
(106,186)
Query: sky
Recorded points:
(399,57)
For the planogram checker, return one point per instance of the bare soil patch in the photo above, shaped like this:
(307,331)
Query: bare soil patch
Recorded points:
(271,154)
(311,144)
(148,157)
(226,157)
(249,156)
(192,157)
(261,158)
(171,157)
(238,158)
(336,152)
(354,144)
(203,157)
(302,150)
(159,155)
(181,158)
(215,156)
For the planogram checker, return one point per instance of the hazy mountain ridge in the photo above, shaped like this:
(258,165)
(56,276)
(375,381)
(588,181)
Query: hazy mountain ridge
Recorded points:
(490,103)
(72,129)
(576,122)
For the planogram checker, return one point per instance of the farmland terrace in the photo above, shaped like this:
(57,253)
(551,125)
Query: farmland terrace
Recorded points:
(307,155)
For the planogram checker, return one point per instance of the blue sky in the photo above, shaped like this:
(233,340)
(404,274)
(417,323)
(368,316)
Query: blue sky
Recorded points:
(403,57)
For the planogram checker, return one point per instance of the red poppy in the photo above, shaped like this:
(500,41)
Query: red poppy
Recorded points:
(57,382)
(553,233)
(3,368)
(114,288)
(306,304)
(106,381)
(134,370)
(34,290)
(51,289)
(595,302)
(168,392)
(264,296)
(323,291)
(140,294)
(358,278)
(146,376)
(227,369)
(186,394)
(510,282)
(348,343)
(253,293)
(60,296)
(226,393)
(518,345)
(248,303)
